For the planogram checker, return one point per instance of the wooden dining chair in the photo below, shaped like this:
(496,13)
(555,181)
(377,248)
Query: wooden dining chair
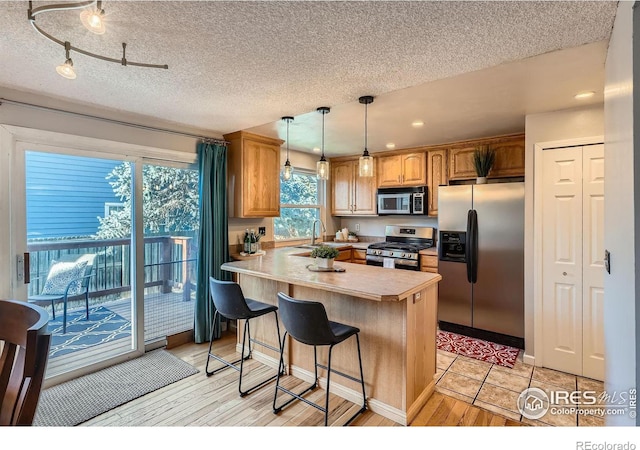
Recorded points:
(24,345)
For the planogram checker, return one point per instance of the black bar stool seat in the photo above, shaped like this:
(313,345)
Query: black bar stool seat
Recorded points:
(229,302)
(307,323)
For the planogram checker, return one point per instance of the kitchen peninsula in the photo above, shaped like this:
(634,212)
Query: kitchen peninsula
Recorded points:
(396,311)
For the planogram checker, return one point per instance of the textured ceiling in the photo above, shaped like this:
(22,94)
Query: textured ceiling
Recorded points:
(468,69)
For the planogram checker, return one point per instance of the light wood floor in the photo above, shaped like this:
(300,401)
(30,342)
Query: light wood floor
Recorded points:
(214,401)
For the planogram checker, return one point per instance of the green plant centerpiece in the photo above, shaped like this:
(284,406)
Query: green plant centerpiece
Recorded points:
(324,256)
(483,159)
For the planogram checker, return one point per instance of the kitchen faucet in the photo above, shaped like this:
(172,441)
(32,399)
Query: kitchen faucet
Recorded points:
(313,230)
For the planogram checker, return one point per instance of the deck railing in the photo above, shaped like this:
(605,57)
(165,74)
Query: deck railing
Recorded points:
(170,262)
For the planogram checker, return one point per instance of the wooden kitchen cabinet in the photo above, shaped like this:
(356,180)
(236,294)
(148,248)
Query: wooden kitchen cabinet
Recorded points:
(344,255)
(403,169)
(359,256)
(509,158)
(429,263)
(350,193)
(253,174)
(437,175)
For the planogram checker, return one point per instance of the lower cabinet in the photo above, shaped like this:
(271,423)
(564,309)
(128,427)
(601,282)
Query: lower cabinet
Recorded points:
(344,255)
(429,263)
(359,256)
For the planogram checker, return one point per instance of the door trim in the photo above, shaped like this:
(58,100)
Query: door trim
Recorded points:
(537,356)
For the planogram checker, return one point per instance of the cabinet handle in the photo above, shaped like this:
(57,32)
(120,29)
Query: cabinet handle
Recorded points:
(355,208)
(402,178)
(398,178)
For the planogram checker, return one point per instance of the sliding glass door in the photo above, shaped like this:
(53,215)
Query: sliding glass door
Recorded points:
(78,236)
(171,221)
(104,227)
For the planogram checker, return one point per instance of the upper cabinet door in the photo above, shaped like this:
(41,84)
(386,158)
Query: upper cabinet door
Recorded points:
(253,175)
(409,169)
(414,169)
(341,188)
(350,193)
(437,176)
(389,170)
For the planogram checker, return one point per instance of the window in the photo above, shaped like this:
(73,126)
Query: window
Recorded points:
(299,206)
(112,208)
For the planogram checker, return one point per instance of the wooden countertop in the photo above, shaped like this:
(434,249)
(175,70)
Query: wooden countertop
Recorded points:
(359,280)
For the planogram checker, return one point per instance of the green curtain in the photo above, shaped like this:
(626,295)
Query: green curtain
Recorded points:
(213,248)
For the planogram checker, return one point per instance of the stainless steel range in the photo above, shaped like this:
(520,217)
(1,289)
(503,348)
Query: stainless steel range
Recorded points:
(401,247)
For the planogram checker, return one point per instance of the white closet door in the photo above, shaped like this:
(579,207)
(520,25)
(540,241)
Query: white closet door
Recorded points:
(562,259)
(593,261)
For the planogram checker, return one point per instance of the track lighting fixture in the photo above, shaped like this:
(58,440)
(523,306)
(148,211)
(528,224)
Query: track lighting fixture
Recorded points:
(93,20)
(66,69)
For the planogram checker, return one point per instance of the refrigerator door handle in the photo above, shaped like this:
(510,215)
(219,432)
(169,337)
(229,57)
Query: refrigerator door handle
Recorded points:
(472,246)
(467,250)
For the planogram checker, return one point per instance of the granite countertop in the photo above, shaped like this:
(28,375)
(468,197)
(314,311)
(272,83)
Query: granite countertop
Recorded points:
(289,265)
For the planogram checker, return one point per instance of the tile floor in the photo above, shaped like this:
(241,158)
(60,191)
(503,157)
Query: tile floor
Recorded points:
(496,388)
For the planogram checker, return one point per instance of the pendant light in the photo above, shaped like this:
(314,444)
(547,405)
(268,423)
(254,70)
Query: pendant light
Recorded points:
(365,165)
(287,172)
(322,167)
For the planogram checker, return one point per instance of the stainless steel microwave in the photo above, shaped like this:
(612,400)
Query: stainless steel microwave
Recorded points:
(410,200)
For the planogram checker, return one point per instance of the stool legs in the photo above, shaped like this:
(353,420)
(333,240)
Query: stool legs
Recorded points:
(299,396)
(246,342)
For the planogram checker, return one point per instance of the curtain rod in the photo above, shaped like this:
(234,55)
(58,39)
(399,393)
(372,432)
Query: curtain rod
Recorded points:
(114,121)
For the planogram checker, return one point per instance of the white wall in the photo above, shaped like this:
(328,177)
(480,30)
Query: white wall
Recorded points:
(555,126)
(622,197)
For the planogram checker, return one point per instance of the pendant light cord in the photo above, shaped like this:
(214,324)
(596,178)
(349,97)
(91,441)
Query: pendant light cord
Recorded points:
(288,139)
(323,113)
(365,126)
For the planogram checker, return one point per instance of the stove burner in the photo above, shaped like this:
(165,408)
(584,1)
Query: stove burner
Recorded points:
(399,246)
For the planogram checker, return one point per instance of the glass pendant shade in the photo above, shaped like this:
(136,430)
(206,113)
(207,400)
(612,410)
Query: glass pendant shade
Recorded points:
(322,169)
(287,172)
(66,70)
(365,165)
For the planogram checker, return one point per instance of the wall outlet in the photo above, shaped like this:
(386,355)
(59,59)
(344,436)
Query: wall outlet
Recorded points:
(262,230)
(357,227)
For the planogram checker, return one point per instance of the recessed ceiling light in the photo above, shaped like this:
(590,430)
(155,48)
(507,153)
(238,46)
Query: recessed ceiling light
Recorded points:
(417,123)
(583,95)
(391,145)
(316,149)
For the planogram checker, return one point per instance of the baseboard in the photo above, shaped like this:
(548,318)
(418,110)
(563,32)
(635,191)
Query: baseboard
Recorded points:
(419,403)
(528,359)
(176,340)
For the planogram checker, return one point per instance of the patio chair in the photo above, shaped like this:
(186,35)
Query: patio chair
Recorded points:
(24,352)
(68,278)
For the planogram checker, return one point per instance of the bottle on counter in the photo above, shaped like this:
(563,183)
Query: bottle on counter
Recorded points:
(253,242)
(247,241)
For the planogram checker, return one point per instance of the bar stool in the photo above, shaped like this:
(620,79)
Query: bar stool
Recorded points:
(307,322)
(230,303)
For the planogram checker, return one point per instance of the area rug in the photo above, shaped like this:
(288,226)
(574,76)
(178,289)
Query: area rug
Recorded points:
(103,326)
(80,399)
(503,355)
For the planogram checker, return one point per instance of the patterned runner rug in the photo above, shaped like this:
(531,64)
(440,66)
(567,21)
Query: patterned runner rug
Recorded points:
(502,355)
(103,326)
(80,399)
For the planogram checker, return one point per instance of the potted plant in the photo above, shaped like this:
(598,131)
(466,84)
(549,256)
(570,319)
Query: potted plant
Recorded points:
(483,159)
(324,256)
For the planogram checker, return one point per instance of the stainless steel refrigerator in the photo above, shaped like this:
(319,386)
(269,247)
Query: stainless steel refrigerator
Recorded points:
(481,257)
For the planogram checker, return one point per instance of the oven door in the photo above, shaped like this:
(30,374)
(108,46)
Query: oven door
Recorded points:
(399,263)
(394,203)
